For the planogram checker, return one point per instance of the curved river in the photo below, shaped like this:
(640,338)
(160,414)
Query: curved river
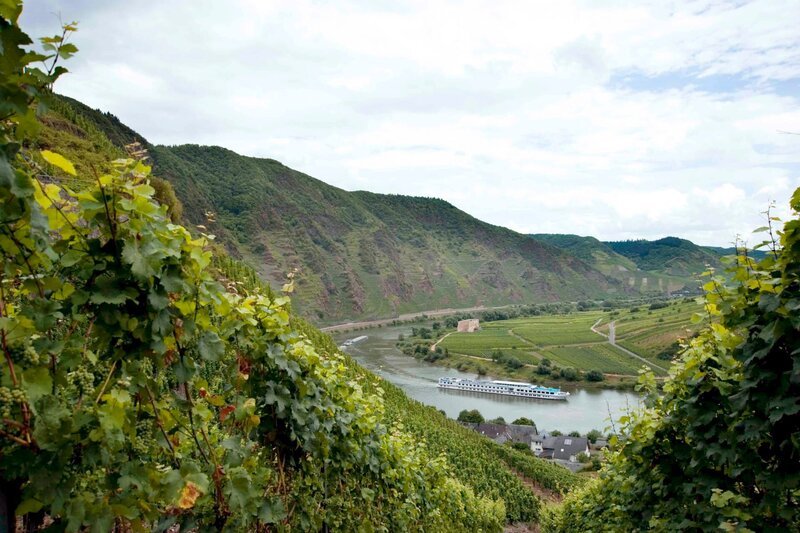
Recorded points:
(585,410)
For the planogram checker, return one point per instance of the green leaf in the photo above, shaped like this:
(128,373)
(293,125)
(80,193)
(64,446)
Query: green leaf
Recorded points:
(58,160)
(30,505)
(37,382)
(210,346)
(272,511)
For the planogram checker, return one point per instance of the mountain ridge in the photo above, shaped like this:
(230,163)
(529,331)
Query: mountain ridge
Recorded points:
(363,255)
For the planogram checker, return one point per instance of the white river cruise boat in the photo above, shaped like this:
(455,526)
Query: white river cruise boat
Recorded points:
(507,388)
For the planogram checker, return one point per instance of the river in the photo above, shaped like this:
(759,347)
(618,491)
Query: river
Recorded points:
(585,410)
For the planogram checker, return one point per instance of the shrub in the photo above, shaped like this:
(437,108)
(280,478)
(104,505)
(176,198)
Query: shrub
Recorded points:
(594,375)
(570,374)
(472,416)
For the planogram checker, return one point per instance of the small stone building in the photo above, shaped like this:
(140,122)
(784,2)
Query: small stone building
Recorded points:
(469,325)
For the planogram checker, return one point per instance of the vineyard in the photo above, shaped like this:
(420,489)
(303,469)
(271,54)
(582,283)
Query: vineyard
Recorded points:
(148,385)
(560,329)
(601,357)
(568,340)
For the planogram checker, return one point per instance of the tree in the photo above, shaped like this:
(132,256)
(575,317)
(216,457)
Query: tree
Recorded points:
(719,448)
(594,375)
(524,421)
(593,435)
(499,420)
(555,433)
(574,434)
(570,374)
(472,416)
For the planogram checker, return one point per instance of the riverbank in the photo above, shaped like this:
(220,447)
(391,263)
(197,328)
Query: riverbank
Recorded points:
(586,409)
(406,318)
(486,368)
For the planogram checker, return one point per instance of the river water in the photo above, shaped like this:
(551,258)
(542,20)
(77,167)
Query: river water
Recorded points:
(583,411)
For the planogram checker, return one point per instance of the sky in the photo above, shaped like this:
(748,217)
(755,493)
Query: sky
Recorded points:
(615,119)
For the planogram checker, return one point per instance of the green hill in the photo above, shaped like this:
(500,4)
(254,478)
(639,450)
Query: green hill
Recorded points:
(358,254)
(665,265)
(670,255)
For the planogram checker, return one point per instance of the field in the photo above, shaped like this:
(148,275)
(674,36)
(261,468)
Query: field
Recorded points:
(649,333)
(602,357)
(568,340)
(493,336)
(557,329)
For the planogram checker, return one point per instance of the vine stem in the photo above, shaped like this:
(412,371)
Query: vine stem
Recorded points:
(6,351)
(161,426)
(105,383)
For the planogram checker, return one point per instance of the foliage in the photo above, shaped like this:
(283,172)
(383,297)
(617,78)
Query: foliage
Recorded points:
(594,375)
(593,435)
(570,374)
(546,473)
(524,421)
(720,448)
(138,392)
(472,416)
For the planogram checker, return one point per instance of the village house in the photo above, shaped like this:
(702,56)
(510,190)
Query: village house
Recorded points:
(502,433)
(564,448)
(537,443)
(469,325)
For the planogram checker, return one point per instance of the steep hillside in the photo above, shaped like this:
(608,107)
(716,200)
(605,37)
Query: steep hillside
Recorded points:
(722,252)
(365,254)
(357,254)
(670,255)
(665,265)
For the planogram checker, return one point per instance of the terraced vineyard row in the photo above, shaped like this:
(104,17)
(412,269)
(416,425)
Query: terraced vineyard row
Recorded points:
(474,460)
(602,357)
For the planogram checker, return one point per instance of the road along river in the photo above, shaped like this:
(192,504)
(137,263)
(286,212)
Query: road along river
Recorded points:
(585,410)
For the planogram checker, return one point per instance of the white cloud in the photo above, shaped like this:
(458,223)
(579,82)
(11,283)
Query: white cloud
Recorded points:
(614,119)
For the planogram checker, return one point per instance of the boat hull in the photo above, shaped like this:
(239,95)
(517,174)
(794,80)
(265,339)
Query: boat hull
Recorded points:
(492,388)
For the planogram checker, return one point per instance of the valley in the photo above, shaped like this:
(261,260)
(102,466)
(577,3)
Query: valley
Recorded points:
(565,348)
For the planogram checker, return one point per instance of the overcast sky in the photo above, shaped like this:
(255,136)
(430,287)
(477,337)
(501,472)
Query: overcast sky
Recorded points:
(613,119)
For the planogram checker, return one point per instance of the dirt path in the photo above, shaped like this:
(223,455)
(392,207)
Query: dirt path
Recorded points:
(612,340)
(435,344)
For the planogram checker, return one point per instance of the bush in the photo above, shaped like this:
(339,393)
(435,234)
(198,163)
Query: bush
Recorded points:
(523,421)
(521,446)
(473,416)
(570,374)
(574,434)
(593,435)
(594,375)
(719,448)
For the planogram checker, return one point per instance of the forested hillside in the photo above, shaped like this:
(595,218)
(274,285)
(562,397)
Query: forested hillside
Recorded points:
(651,267)
(358,254)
